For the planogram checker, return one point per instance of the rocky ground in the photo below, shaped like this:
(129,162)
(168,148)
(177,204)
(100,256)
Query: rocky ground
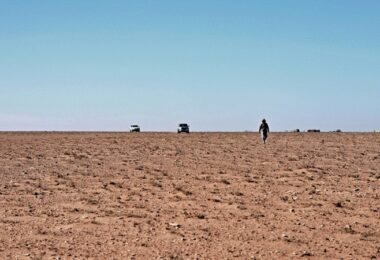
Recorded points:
(196,196)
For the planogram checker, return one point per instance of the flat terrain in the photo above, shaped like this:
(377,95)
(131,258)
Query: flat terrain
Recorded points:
(197,196)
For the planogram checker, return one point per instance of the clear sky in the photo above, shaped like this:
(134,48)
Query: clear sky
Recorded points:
(215,64)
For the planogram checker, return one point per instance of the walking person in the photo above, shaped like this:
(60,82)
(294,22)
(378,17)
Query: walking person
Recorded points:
(264,130)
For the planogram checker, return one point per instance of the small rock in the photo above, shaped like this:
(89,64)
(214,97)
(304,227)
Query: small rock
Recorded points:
(286,238)
(175,225)
(348,228)
(227,182)
(306,253)
(201,216)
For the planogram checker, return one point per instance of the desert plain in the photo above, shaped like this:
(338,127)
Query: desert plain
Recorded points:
(189,196)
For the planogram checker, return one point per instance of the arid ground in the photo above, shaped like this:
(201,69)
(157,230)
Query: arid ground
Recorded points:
(196,196)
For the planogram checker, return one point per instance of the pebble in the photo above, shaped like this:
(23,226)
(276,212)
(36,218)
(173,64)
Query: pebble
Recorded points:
(348,228)
(175,225)
(306,253)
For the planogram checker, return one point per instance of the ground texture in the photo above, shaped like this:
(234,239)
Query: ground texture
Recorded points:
(196,196)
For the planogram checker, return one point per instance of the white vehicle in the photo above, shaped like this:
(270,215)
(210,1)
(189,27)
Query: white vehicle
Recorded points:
(183,128)
(134,128)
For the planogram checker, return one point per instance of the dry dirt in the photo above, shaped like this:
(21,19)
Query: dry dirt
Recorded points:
(197,196)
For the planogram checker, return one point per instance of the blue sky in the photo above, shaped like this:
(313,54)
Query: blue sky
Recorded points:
(219,65)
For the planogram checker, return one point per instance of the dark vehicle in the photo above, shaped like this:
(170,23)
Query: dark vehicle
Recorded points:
(183,128)
(134,128)
(313,131)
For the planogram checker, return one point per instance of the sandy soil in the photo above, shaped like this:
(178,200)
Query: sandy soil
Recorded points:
(197,196)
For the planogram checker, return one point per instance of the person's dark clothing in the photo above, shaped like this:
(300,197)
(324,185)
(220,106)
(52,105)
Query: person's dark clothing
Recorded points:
(264,129)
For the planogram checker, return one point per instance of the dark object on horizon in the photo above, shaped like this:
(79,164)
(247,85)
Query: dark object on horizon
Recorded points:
(338,131)
(264,130)
(134,128)
(296,131)
(183,128)
(313,131)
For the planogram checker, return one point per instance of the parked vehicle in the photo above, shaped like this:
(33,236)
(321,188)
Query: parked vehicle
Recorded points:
(313,131)
(134,128)
(183,128)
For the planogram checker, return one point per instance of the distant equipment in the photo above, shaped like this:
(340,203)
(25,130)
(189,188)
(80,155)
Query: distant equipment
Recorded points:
(134,128)
(183,128)
(313,131)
